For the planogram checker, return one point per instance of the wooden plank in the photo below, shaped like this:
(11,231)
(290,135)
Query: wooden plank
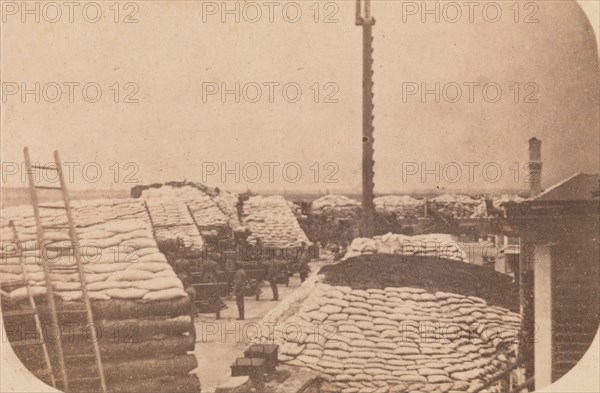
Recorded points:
(117,309)
(122,370)
(174,384)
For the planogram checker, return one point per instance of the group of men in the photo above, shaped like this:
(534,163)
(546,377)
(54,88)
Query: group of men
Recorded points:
(272,276)
(209,271)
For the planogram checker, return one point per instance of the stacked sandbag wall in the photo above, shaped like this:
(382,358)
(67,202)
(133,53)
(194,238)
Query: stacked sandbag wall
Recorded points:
(140,308)
(395,339)
(211,221)
(499,201)
(171,219)
(213,211)
(397,213)
(270,220)
(430,245)
(334,219)
(120,260)
(144,345)
(228,203)
(458,206)
(203,209)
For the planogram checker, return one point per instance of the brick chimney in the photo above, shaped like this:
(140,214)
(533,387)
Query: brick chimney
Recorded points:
(535,167)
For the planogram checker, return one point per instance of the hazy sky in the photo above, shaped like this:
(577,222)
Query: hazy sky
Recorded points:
(179,50)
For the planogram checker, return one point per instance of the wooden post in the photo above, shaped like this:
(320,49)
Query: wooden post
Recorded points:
(526,347)
(368,207)
(542,267)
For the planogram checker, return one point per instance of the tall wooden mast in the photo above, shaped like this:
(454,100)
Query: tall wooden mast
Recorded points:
(364,19)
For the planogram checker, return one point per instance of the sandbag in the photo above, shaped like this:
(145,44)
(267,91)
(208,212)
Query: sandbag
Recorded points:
(165,273)
(105,256)
(124,226)
(11,276)
(34,256)
(101,295)
(138,243)
(147,251)
(153,267)
(131,275)
(36,276)
(60,260)
(153,258)
(158,284)
(94,234)
(95,277)
(102,285)
(139,233)
(69,296)
(128,293)
(66,286)
(30,245)
(10,269)
(56,236)
(16,261)
(100,243)
(21,293)
(105,267)
(66,280)
(166,294)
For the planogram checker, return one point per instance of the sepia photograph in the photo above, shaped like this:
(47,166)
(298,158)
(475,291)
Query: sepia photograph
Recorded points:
(299,196)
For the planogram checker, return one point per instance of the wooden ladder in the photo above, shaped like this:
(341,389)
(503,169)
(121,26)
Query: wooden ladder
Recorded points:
(32,311)
(48,270)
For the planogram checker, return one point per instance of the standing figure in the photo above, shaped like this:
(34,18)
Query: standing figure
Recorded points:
(303,268)
(183,271)
(209,272)
(239,282)
(338,253)
(273,276)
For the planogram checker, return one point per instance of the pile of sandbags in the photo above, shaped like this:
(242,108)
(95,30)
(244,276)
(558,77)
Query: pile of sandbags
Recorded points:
(85,213)
(395,339)
(89,212)
(228,203)
(296,210)
(120,256)
(134,291)
(188,234)
(506,198)
(171,218)
(458,206)
(271,220)
(333,218)
(403,207)
(289,305)
(209,206)
(434,245)
(338,205)
(203,209)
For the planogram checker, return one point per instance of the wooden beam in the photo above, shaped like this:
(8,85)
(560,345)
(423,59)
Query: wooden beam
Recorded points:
(543,316)
(130,370)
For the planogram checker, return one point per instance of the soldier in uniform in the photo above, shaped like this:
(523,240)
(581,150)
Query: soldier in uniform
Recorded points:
(239,283)
(183,271)
(338,253)
(273,276)
(209,272)
(303,258)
